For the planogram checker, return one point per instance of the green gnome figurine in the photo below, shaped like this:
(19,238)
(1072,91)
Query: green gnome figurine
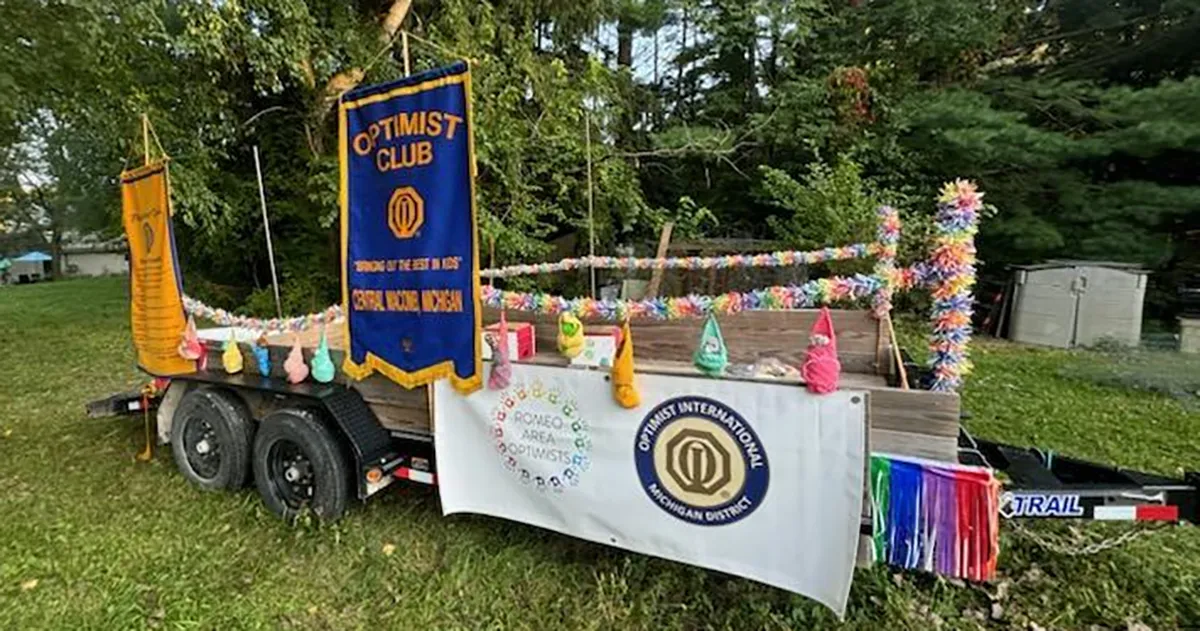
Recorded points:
(322,365)
(711,357)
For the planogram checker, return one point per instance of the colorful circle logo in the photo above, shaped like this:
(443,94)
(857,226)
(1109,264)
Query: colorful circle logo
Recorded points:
(700,461)
(541,436)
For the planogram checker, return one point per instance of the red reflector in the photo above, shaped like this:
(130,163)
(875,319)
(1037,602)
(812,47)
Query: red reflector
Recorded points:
(1154,512)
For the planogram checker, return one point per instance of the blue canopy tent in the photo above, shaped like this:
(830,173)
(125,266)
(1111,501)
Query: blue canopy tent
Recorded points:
(31,267)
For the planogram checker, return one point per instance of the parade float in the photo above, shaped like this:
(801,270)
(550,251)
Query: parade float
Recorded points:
(778,434)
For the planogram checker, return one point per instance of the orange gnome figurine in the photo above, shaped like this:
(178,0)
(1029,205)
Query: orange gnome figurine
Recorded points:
(624,388)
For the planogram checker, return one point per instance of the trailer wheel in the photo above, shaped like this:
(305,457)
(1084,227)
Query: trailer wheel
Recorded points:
(211,436)
(298,465)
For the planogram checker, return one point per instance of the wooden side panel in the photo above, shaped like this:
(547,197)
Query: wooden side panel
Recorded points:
(915,423)
(940,448)
(396,407)
(749,336)
(915,411)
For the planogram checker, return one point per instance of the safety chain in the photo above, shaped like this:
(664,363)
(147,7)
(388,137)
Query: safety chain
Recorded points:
(1089,549)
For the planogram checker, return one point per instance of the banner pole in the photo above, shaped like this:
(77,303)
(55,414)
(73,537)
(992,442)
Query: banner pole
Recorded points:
(587,118)
(145,139)
(262,198)
(404,47)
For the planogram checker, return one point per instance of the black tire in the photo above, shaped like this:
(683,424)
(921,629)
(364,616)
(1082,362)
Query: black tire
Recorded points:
(211,436)
(298,466)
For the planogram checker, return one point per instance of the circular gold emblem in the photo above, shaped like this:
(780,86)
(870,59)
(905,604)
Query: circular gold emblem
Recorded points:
(406,212)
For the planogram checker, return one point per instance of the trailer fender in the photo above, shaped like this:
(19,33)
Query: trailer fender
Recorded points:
(167,406)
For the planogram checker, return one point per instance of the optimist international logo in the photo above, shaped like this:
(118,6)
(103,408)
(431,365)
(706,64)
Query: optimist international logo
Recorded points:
(406,212)
(700,461)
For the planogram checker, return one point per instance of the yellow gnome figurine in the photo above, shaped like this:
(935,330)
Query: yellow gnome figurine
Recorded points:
(231,358)
(570,336)
(622,371)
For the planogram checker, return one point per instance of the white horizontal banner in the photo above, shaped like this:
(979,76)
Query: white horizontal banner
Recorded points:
(759,480)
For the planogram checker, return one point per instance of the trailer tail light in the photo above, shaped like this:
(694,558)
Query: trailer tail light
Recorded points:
(1140,512)
(374,475)
(414,475)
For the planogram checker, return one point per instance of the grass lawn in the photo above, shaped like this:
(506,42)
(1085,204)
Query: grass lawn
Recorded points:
(89,539)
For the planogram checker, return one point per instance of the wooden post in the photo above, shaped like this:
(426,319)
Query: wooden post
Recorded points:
(896,352)
(492,259)
(591,198)
(664,240)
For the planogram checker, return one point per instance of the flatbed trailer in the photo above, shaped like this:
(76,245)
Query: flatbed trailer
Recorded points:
(379,433)
(384,432)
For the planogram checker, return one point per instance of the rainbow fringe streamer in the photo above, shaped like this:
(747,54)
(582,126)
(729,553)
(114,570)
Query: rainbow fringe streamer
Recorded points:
(950,273)
(933,516)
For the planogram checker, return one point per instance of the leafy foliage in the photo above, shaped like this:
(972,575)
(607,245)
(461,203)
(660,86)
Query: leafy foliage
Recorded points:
(786,120)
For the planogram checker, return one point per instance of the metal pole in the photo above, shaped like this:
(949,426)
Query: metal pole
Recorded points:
(587,118)
(262,197)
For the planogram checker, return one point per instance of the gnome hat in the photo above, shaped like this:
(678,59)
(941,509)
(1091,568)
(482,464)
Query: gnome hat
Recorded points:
(294,365)
(262,355)
(711,357)
(231,358)
(322,366)
(501,373)
(622,371)
(821,368)
(190,346)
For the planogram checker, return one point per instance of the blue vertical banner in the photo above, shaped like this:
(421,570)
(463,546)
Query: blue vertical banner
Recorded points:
(410,252)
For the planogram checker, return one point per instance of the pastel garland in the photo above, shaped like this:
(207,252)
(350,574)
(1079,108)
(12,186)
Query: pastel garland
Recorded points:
(221,317)
(788,258)
(950,273)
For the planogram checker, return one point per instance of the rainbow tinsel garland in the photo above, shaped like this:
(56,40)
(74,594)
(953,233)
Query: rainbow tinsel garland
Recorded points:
(821,291)
(950,274)
(887,242)
(935,516)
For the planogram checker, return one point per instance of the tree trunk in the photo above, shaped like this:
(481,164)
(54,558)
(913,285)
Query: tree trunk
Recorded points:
(624,43)
(56,265)
(682,47)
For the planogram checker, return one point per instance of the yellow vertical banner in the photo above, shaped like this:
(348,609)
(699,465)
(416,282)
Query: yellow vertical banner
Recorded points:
(156,292)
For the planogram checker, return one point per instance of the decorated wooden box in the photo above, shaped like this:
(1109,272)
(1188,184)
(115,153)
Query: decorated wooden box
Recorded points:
(522,343)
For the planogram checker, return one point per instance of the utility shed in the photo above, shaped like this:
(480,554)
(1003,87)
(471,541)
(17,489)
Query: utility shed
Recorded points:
(1064,303)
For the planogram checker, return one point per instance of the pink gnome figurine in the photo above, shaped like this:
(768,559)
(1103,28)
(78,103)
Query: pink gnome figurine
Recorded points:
(190,347)
(294,365)
(821,367)
(501,373)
